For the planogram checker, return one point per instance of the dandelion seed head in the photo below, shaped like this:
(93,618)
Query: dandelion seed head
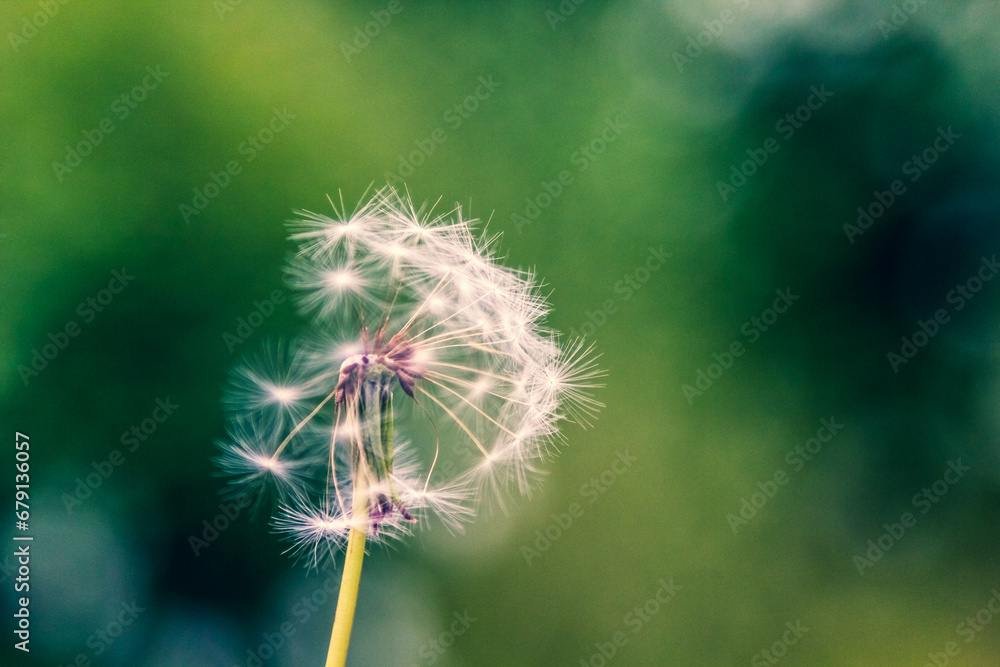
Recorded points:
(420,330)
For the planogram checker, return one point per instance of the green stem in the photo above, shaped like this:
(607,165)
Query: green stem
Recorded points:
(347,600)
(375,414)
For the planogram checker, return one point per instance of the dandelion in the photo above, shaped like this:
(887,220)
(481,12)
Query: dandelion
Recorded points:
(417,330)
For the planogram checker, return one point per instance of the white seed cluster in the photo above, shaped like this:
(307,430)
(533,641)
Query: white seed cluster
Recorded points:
(428,377)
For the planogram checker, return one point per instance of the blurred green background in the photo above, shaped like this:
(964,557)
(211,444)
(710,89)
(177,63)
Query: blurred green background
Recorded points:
(643,108)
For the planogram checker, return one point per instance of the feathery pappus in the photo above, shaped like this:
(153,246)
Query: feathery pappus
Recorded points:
(427,379)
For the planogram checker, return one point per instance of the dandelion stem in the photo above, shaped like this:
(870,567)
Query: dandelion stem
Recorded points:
(376,435)
(347,600)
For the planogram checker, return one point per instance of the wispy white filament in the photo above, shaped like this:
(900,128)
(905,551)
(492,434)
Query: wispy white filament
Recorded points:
(420,309)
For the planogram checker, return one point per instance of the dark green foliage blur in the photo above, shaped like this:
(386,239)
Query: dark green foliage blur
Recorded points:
(798,461)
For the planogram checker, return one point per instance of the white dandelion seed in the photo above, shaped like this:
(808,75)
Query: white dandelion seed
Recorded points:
(273,388)
(421,332)
(256,467)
